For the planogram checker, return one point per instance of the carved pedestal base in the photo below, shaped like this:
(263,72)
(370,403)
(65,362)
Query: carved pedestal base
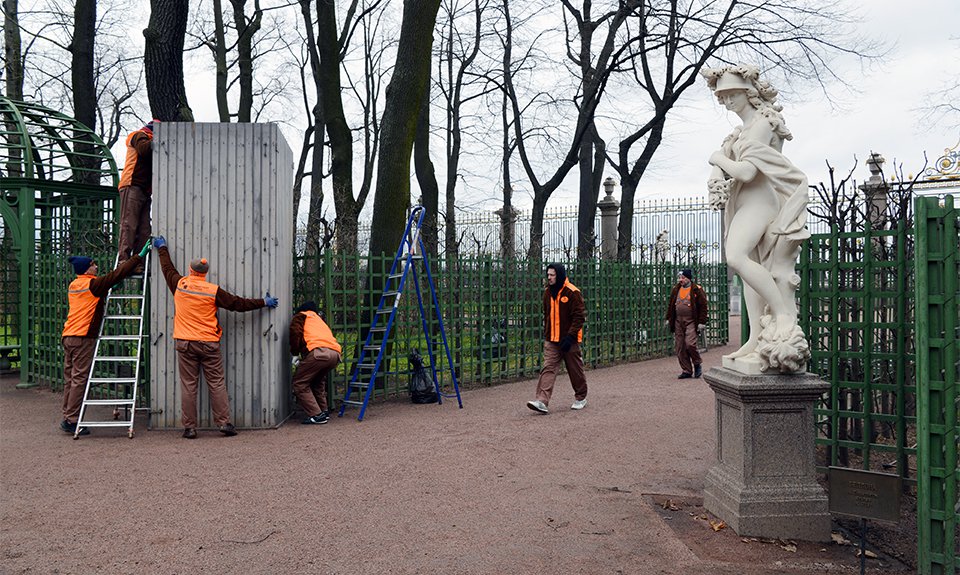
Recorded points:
(763,483)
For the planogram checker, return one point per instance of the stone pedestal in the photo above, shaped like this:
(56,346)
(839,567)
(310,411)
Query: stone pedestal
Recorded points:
(763,483)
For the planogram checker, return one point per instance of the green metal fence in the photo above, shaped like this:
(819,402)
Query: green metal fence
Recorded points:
(57,198)
(938,374)
(492,313)
(856,308)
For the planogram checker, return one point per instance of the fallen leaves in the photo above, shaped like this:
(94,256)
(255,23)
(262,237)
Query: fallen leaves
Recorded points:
(717,525)
(869,554)
(669,504)
(839,539)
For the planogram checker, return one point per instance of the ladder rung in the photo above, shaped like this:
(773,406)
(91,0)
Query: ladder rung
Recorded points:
(416,256)
(122,317)
(366,365)
(113,380)
(125,296)
(395,276)
(351,402)
(390,293)
(118,423)
(121,337)
(371,348)
(385,310)
(378,329)
(116,358)
(360,385)
(109,402)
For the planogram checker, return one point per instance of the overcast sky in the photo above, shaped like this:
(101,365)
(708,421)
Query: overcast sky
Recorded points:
(881,118)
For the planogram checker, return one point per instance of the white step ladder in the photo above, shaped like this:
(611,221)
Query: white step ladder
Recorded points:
(119,345)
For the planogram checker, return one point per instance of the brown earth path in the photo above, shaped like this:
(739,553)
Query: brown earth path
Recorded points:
(492,488)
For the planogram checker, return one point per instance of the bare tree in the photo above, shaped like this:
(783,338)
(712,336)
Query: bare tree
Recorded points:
(670,42)
(12,54)
(163,60)
(404,96)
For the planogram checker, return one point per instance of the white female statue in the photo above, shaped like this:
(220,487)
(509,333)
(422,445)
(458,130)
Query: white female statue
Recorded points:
(766,211)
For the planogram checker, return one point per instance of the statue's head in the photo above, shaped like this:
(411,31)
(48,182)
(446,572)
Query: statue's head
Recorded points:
(741,77)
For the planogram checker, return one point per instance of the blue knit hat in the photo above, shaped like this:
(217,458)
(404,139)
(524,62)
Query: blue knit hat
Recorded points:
(80,263)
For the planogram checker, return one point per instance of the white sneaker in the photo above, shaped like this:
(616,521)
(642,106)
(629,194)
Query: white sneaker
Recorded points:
(537,406)
(579,404)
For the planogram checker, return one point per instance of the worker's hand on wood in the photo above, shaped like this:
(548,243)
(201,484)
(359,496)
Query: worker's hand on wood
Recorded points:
(146,249)
(159,242)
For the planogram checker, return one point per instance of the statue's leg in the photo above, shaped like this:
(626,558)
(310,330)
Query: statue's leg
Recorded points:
(746,229)
(784,274)
(755,311)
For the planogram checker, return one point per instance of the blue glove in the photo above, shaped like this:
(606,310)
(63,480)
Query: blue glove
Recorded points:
(566,343)
(159,242)
(146,249)
(270,301)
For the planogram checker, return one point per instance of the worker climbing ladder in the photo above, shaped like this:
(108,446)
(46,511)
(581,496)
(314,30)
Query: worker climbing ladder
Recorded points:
(409,254)
(115,371)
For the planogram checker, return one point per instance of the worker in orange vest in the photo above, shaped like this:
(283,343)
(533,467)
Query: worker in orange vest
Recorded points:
(196,335)
(319,352)
(80,331)
(136,189)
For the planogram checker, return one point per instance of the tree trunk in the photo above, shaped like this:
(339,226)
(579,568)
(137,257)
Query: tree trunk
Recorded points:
(163,60)
(427,177)
(246,30)
(220,61)
(341,139)
(592,158)
(13,57)
(628,189)
(535,251)
(404,95)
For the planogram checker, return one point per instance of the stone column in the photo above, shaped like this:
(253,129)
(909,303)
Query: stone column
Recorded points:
(609,211)
(763,483)
(875,191)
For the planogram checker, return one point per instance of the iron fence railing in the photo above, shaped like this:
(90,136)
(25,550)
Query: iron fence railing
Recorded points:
(492,312)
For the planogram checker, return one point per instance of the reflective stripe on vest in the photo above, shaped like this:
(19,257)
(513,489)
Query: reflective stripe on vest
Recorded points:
(83,306)
(195,316)
(316,333)
(555,335)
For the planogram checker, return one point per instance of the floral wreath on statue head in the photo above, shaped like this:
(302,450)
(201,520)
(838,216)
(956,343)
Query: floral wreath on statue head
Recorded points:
(760,93)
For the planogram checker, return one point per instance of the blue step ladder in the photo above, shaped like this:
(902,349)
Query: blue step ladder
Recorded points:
(409,254)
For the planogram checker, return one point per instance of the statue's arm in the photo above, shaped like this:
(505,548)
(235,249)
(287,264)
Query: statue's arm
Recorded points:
(740,171)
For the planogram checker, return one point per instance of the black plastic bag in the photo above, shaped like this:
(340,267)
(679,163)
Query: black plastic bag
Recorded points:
(421,386)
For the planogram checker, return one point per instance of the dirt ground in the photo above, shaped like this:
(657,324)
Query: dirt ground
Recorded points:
(490,489)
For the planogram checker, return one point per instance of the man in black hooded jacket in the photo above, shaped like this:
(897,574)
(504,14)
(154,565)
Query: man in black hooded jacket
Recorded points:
(564,314)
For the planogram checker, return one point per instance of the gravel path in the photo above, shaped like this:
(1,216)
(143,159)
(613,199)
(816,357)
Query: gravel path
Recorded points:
(490,489)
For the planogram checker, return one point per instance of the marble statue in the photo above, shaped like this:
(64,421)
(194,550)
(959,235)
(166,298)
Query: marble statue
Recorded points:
(764,197)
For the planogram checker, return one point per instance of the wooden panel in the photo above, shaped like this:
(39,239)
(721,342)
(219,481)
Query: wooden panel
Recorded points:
(224,192)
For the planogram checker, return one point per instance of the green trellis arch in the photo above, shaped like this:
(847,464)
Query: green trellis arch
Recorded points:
(58,196)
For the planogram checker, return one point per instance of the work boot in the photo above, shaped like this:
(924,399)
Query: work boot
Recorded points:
(67,427)
(684,375)
(229,430)
(697,370)
(317,419)
(189,433)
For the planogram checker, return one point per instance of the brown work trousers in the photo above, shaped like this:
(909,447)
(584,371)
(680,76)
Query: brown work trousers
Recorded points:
(685,343)
(134,220)
(310,380)
(573,359)
(77,358)
(191,356)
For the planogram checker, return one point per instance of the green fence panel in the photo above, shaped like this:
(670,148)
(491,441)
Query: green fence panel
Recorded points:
(855,307)
(493,313)
(937,324)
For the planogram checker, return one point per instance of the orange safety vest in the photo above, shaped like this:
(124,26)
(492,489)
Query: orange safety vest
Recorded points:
(555,313)
(129,162)
(83,306)
(316,333)
(195,302)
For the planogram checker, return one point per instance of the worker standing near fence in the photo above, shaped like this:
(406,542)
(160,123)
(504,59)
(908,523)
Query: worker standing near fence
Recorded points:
(319,352)
(196,334)
(686,318)
(564,315)
(86,297)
